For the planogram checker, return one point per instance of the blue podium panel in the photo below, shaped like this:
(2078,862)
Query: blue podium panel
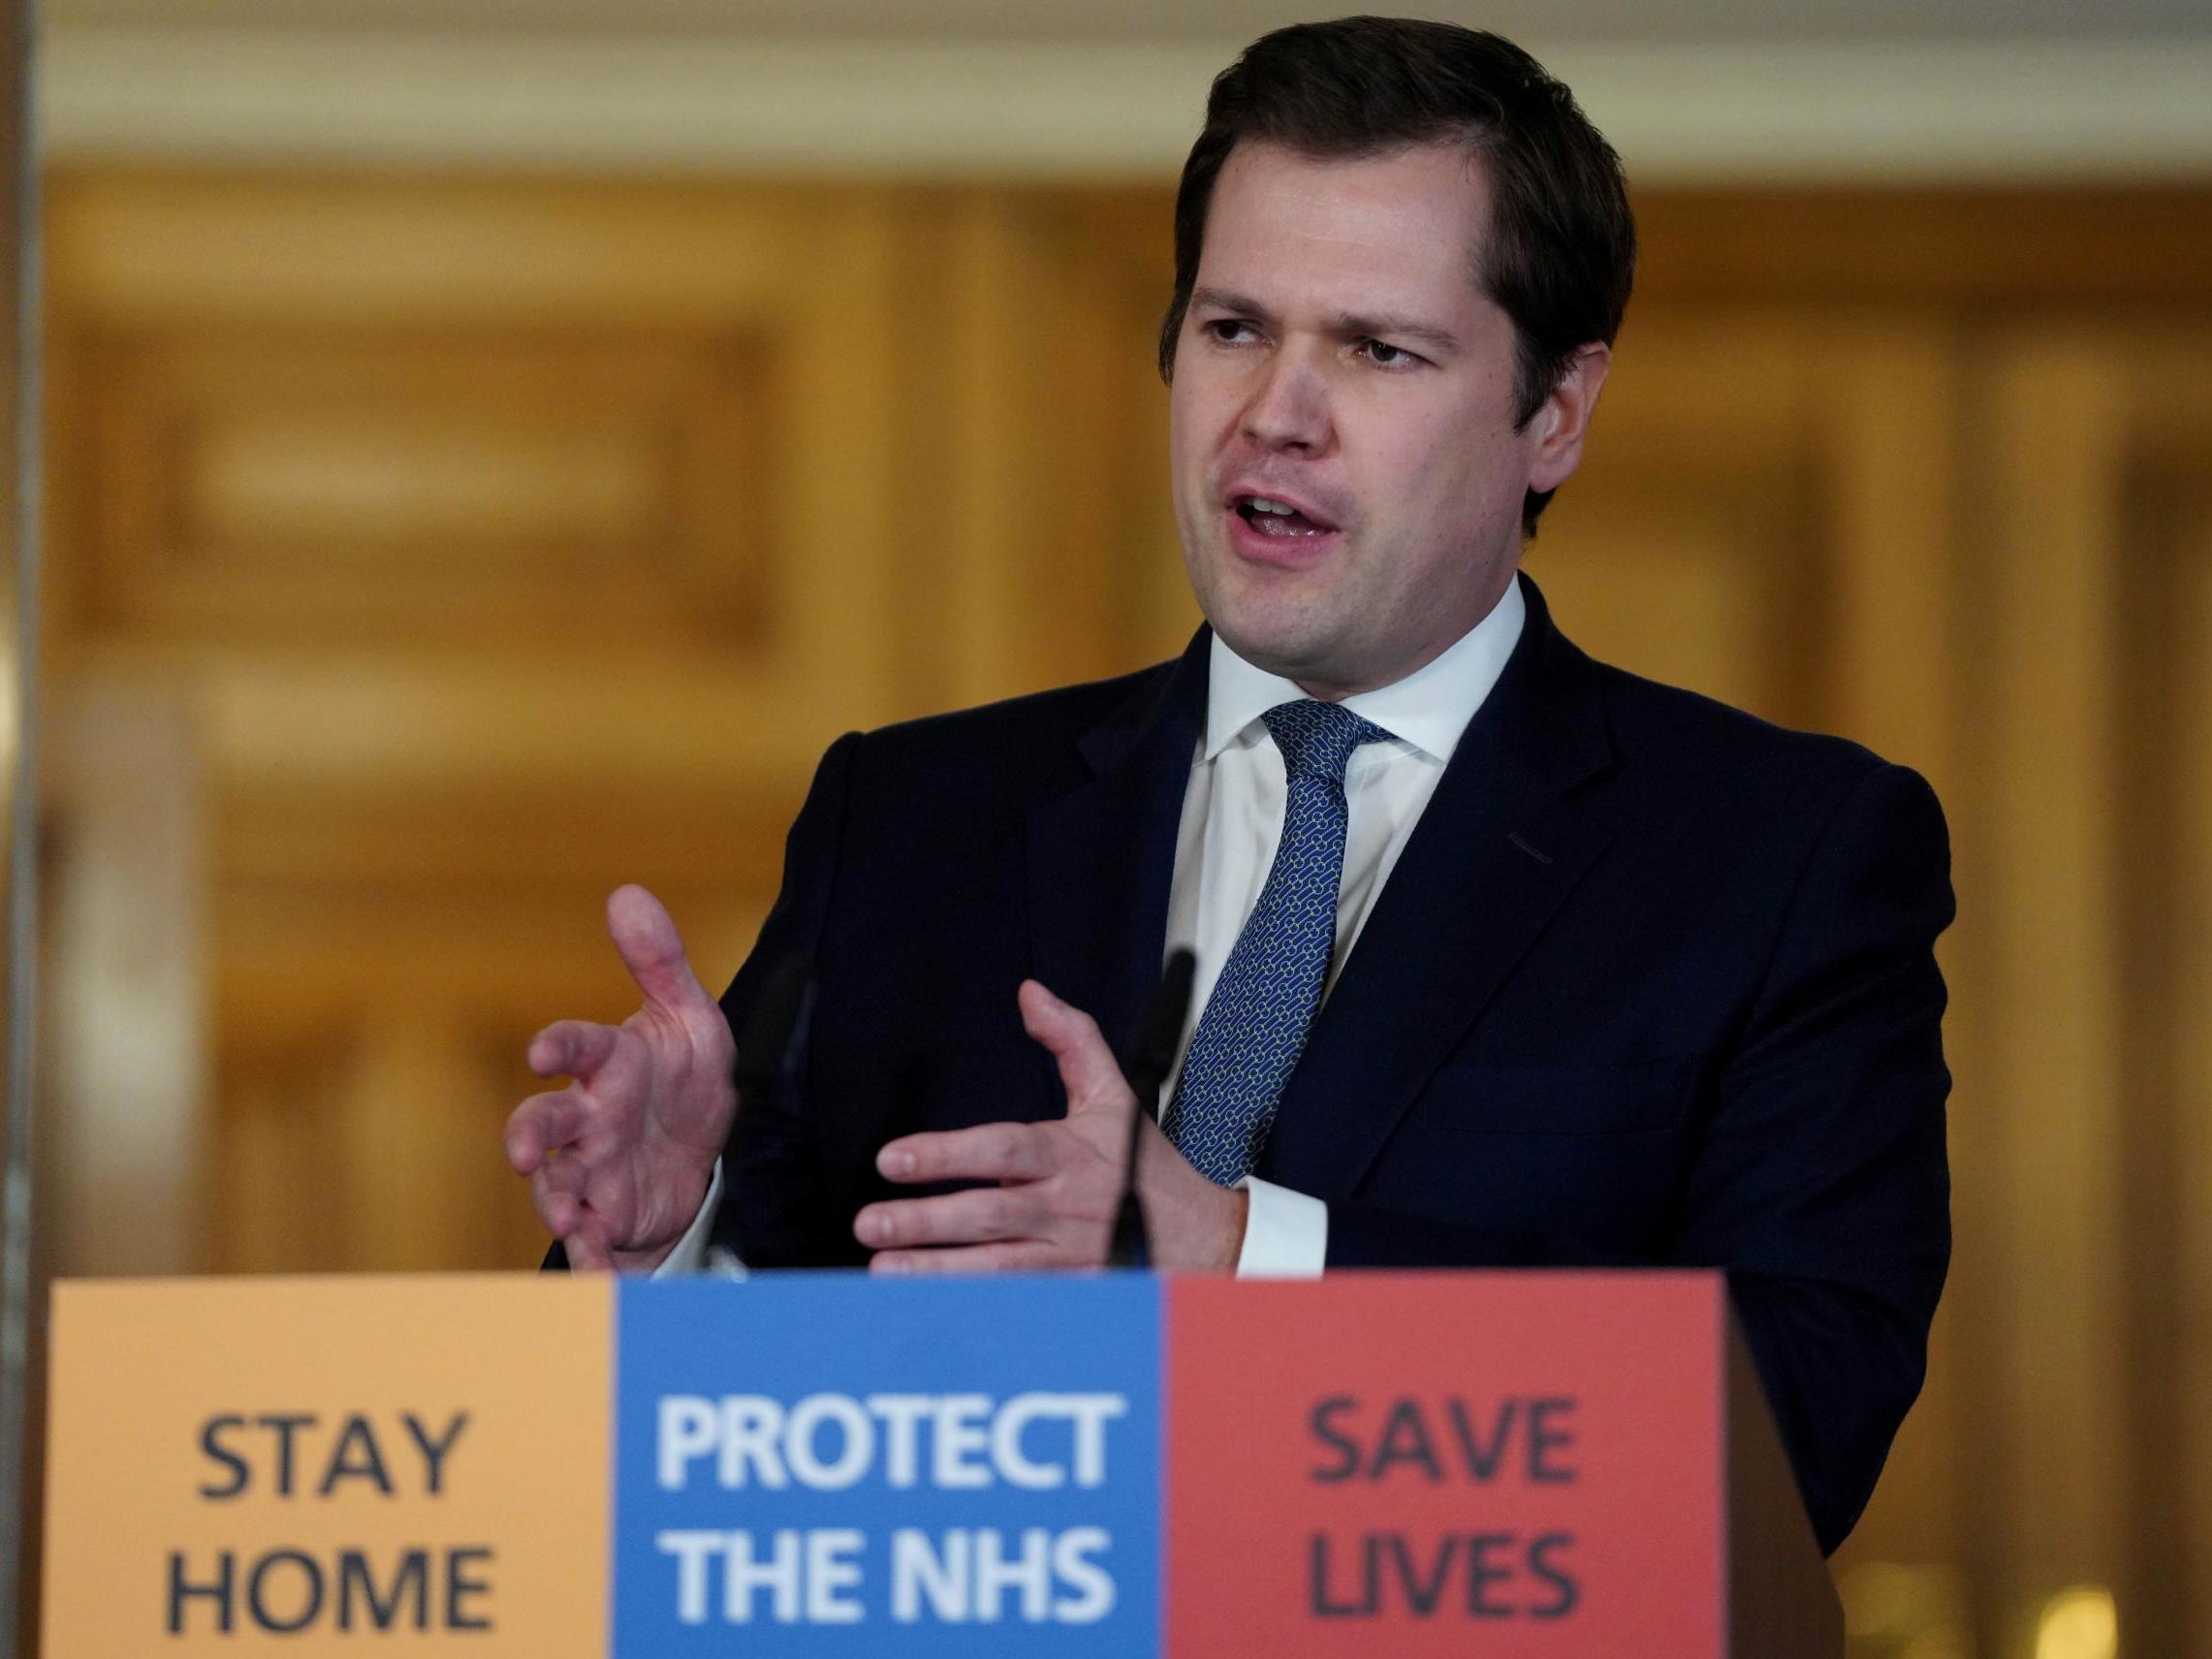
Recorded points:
(821,1465)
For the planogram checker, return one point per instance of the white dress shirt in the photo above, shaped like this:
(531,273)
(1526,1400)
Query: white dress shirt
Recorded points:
(1232,817)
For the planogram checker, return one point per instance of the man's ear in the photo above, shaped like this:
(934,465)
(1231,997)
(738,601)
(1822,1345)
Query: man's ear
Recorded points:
(1560,425)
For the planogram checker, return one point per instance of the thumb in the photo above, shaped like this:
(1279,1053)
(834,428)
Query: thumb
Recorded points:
(651,949)
(1072,1037)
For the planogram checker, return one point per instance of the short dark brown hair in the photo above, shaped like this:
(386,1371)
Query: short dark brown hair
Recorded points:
(1562,248)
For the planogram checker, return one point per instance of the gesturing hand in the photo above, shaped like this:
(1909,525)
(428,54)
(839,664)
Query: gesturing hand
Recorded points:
(1060,1182)
(619,1160)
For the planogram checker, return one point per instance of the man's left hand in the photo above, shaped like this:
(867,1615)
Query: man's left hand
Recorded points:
(1059,1183)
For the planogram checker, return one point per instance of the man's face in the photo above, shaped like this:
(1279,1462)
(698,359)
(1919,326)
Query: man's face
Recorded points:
(1339,358)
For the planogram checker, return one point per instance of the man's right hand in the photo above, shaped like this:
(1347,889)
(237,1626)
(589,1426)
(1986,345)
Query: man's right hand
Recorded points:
(620,1158)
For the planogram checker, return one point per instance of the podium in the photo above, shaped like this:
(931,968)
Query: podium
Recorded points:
(1544,1464)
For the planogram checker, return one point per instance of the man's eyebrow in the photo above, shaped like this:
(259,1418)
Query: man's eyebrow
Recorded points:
(1382,326)
(1353,324)
(1221,300)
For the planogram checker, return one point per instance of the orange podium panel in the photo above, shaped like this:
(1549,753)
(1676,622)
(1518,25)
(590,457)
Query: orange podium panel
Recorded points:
(309,1466)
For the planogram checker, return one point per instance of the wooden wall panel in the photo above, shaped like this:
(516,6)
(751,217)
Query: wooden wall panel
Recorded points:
(1686,548)
(498,542)
(495,544)
(387,486)
(1048,481)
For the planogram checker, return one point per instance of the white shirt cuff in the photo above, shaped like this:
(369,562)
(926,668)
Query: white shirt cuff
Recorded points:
(1286,1236)
(1287,1233)
(691,1253)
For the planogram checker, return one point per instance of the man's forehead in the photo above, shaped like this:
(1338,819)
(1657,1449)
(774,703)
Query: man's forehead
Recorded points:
(1392,233)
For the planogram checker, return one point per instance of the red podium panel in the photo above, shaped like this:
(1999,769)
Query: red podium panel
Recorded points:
(1532,1466)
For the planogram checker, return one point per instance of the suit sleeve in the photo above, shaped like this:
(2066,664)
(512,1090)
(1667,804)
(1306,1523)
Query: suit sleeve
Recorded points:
(773,1213)
(1819,1183)
(1822,1185)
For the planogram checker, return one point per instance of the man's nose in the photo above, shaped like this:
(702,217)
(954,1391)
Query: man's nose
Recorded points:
(1289,407)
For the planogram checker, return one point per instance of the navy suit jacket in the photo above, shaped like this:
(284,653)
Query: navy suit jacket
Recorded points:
(1652,984)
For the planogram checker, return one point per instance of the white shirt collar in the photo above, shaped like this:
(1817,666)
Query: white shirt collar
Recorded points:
(1429,709)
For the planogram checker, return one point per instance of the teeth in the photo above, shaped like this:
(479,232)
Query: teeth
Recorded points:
(1261,504)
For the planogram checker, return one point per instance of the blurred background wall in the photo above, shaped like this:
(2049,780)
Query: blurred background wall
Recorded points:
(494,445)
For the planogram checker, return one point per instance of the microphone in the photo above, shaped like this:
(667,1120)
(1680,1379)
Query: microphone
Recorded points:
(1151,1055)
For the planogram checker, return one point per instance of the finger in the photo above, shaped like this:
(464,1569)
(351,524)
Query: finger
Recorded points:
(587,1251)
(571,1176)
(556,1192)
(988,1152)
(652,951)
(571,1049)
(540,1124)
(1026,1256)
(1086,1067)
(978,1216)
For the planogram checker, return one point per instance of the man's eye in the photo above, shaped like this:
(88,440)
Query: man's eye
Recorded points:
(1386,356)
(1227,331)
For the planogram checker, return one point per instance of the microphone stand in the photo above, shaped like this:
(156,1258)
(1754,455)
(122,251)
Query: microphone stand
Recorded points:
(765,1044)
(1151,1057)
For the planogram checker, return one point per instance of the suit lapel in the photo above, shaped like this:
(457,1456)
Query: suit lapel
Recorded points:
(1102,856)
(1497,851)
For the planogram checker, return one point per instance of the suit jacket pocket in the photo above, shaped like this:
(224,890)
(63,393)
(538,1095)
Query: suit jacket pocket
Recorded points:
(1643,1096)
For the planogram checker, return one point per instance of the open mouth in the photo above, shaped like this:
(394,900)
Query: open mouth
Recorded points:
(1272,517)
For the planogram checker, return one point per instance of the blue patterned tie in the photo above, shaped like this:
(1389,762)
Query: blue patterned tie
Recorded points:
(1255,1021)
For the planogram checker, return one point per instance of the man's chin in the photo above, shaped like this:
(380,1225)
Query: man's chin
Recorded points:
(1291,626)
(1294,648)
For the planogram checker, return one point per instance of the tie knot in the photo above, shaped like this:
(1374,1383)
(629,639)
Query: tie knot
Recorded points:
(1317,738)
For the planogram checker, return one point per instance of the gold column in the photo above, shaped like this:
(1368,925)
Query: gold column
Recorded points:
(2044,904)
(2191,1353)
(125,1032)
(19,634)
(1891,469)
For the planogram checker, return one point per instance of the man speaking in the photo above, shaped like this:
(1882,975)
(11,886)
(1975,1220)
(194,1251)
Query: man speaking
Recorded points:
(1504,957)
